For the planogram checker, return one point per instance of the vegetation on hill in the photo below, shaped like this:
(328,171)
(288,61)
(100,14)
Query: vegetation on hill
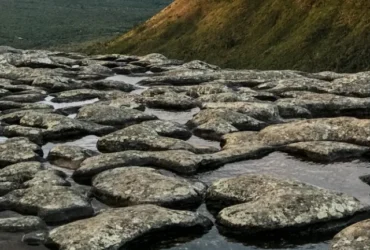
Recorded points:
(309,35)
(50,23)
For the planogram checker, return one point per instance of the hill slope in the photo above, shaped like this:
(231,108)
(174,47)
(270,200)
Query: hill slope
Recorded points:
(45,23)
(308,35)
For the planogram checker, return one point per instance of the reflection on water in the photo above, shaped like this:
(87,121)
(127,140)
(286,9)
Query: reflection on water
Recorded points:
(88,142)
(48,100)
(3,139)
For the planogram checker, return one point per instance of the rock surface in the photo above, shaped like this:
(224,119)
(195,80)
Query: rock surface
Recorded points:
(114,228)
(140,185)
(254,204)
(69,156)
(354,237)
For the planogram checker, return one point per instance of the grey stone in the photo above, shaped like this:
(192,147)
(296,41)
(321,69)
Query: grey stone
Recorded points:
(354,237)
(141,185)
(114,228)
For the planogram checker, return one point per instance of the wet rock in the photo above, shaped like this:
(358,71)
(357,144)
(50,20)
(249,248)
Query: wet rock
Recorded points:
(137,137)
(56,83)
(114,228)
(48,177)
(289,110)
(327,105)
(354,237)
(172,101)
(93,72)
(140,185)
(31,59)
(129,69)
(214,129)
(35,238)
(261,111)
(327,151)
(197,64)
(70,157)
(207,89)
(238,120)
(58,126)
(8,105)
(20,172)
(83,94)
(17,150)
(227,97)
(168,129)
(248,78)
(294,84)
(16,116)
(25,98)
(33,134)
(178,161)
(109,115)
(259,204)
(21,224)
(341,129)
(53,204)
(111,85)
(162,90)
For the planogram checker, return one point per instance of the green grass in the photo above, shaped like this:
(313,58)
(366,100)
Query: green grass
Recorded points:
(310,35)
(52,23)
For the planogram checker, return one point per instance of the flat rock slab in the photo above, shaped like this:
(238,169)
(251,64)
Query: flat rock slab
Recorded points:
(138,137)
(53,204)
(114,228)
(17,150)
(114,116)
(141,185)
(267,112)
(326,151)
(179,161)
(22,224)
(255,204)
(354,237)
(341,129)
(69,157)
(58,126)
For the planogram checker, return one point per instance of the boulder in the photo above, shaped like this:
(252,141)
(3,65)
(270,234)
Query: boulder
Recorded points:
(326,151)
(138,137)
(254,204)
(53,204)
(179,161)
(115,228)
(266,112)
(58,126)
(141,185)
(17,150)
(22,224)
(114,116)
(354,237)
(69,157)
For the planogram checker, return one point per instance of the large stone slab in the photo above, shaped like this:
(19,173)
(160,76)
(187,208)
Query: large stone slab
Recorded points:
(253,204)
(141,185)
(354,237)
(115,228)
(54,204)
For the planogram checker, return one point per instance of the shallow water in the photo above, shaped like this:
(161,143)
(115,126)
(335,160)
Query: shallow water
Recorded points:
(341,177)
(3,139)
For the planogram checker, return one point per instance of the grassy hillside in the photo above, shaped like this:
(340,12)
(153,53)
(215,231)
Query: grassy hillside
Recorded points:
(308,35)
(46,23)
